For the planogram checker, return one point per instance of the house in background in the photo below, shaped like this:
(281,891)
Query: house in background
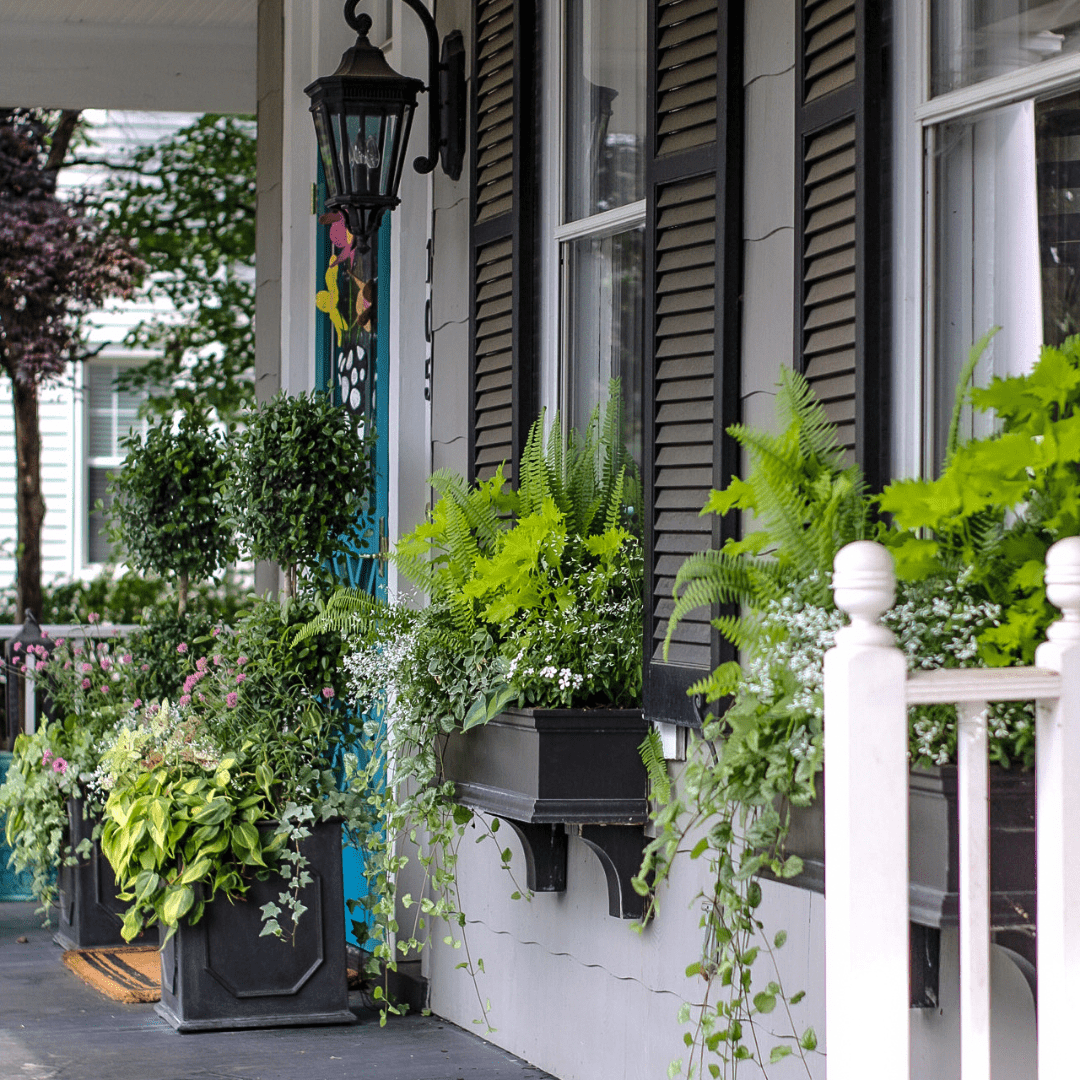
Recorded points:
(84,416)
(689,194)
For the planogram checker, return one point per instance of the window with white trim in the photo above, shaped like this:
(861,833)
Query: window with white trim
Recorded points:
(599,226)
(994,118)
(110,414)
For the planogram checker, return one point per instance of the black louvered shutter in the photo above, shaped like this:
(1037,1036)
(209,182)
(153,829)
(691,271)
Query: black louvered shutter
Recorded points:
(693,179)
(841,272)
(503,371)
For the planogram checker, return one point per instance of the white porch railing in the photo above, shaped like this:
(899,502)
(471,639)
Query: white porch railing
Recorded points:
(867,692)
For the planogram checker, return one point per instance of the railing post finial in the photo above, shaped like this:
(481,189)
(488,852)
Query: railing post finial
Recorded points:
(1063,588)
(864,587)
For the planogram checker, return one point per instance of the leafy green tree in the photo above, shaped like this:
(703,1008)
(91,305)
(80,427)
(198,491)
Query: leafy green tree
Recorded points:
(299,481)
(168,510)
(188,203)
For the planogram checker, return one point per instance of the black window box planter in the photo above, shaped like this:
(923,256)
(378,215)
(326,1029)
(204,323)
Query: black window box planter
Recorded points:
(220,974)
(90,913)
(933,862)
(545,771)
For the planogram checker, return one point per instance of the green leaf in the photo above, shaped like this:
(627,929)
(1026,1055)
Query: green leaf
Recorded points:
(808,1041)
(778,1053)
(176,904)
(765,1002)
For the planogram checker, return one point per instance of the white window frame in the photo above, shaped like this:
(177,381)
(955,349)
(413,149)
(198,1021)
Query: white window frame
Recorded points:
(554,229)
(81,523)
(914,197)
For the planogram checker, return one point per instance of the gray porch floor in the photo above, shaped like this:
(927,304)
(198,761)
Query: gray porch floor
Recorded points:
(55,1027)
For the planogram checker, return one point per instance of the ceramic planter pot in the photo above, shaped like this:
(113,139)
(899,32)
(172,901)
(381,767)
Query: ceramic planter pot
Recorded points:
(220,974)
(547,771)
(90,913)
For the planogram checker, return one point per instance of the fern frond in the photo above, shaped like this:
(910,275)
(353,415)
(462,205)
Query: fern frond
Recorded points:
(652,756)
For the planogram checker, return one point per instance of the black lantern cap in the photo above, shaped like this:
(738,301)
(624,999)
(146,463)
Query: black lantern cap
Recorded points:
(363,114)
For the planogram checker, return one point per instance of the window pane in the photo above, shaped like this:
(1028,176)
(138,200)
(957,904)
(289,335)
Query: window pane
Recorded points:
(1006,251)
(98,547)
(604,327)
(978,39)
(605,105)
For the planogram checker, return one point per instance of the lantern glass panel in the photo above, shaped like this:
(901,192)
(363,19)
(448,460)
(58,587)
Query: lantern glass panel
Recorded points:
(322,134)
(370,139)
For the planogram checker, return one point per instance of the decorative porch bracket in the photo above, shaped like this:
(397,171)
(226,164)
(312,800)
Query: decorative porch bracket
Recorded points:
(619,849)
(545,846)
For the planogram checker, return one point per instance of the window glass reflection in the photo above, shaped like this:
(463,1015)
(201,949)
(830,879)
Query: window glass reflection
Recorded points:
(604,327)
(977,39)
(605,106)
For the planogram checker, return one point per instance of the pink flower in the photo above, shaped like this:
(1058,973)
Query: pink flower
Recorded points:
(189,683)
(105,689)
(137,704)
(182,647)
(67,665)
(144,667)
(84,667)
(215,631)
(154,708)
(218,659)
(59,766)
(328,692)
(126,658)
(45,757)
(241,660)
(240,678)
(17,646)
(93,617)
(231,698)
(59,641)
(185,699)
(200,664)
(201,697)
(77,651)
(106,663)
(86,684)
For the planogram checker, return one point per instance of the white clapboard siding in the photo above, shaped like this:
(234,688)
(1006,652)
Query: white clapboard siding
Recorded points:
(57,418)
(867,693)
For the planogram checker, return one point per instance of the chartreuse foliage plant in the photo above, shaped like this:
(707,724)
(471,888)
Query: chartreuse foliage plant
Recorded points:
(168,509)
(533,599)
(299,478)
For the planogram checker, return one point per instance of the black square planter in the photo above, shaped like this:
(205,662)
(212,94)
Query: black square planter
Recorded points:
(220,974)
(90,913)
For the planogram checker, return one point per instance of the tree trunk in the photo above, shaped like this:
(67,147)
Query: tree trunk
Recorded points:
(182,593)
(30,503)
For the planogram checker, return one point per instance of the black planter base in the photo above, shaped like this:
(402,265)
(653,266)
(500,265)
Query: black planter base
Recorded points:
(240,1023)
(90,914)
(220,974)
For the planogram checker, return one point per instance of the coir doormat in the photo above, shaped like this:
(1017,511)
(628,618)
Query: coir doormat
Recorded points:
(131,975)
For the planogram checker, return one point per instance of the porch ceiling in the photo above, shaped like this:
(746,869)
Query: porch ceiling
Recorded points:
(179,55)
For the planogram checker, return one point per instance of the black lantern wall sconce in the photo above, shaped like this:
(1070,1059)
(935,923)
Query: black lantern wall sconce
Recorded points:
(363,115)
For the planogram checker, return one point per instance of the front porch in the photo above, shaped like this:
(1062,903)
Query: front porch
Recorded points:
(54,1027)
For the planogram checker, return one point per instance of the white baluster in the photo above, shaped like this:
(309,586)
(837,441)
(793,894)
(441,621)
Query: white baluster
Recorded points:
(866,828)
(1057,748)
(973,798)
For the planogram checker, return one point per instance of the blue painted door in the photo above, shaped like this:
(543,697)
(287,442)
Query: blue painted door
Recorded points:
(353,360)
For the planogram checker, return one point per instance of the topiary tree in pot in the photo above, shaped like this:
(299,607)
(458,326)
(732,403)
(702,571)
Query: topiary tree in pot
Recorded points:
(298,482)
(168,510)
